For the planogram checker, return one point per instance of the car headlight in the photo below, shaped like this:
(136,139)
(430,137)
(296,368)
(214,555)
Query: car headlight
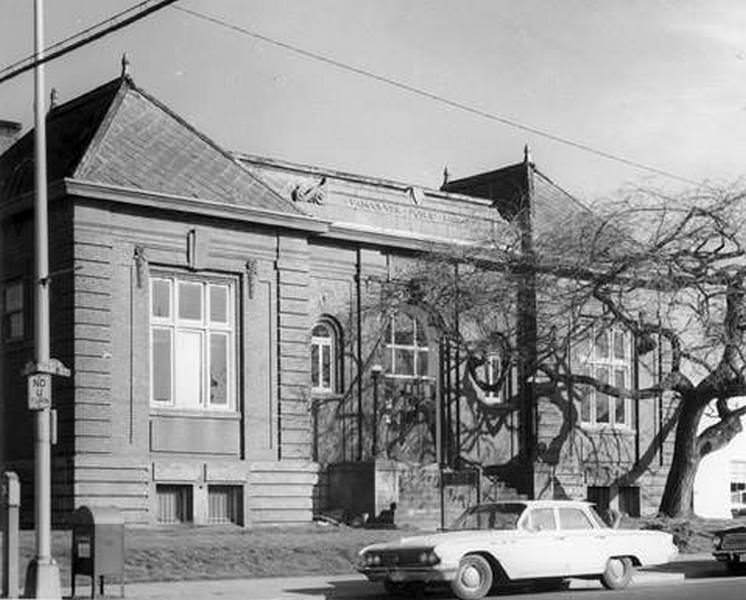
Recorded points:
(716,542)
(428,557)
(371,559)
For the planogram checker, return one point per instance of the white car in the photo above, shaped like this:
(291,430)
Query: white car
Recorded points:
(505,542)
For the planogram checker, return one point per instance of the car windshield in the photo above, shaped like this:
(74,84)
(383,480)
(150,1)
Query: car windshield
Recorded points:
(490,516)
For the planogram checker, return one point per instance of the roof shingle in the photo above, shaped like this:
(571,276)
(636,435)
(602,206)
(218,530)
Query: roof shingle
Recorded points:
(120,136)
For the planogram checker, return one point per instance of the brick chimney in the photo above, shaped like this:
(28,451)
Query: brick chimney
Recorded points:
(9,133)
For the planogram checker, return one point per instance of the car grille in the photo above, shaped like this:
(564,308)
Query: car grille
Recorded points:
(402,558)
(734,541)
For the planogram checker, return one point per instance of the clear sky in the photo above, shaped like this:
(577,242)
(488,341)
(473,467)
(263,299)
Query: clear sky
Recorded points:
(658,82)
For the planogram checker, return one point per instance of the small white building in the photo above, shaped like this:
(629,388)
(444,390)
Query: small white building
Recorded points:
(720,486)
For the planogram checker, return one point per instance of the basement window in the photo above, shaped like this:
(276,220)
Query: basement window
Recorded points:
(629,500)
(174,504)
(225,504)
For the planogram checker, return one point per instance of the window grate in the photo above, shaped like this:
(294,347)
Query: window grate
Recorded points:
(629,500)
(174,504)
(225,504)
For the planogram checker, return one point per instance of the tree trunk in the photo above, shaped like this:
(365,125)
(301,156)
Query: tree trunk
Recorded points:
(678,493)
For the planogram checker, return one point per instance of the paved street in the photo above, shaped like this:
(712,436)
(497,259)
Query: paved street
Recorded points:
(694,576)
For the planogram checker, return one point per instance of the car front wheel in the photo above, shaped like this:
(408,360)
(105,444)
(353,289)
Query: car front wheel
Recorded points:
(618,573)
(473,578)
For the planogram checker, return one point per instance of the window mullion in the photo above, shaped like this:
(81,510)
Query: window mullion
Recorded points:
(172,330)
(319,363)
(206,350)
(206,367)
(392,341)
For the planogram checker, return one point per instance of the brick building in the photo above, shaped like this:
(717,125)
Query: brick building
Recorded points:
(215,310)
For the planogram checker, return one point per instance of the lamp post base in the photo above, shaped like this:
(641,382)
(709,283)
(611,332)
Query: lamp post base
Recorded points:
(42,580)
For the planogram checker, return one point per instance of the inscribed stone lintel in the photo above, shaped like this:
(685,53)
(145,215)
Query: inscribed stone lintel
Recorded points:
(176,471)
(235,472)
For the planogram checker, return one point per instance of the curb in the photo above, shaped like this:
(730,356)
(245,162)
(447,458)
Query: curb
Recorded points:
(310,588)
(354,585)
(656,577)
(640,578)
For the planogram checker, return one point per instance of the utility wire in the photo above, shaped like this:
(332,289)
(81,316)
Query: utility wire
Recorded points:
(432,96)
(84,37)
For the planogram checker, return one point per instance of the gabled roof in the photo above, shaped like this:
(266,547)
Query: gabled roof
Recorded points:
(118,135)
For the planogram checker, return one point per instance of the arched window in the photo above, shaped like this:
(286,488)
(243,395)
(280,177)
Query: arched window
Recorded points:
(405,347)
(325,358)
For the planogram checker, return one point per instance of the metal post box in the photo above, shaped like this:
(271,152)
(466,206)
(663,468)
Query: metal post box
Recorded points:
(10,503)
(98,546)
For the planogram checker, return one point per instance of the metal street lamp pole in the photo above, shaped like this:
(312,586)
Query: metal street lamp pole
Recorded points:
(43,576)
(375,372)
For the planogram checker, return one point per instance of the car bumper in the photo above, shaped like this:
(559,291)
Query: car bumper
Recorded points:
(728,555)
(407,574)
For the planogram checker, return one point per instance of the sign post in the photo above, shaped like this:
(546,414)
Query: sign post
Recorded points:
(43,573)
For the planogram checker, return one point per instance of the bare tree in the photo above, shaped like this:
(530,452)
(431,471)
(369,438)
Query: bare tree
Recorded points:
(668,269)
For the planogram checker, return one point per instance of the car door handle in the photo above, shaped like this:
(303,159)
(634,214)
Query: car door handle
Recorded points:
(560,537)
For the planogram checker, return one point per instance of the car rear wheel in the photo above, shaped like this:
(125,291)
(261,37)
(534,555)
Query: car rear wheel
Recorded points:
(618,573)
(473,578)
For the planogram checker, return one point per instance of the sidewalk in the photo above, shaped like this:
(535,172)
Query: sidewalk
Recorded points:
(354,586)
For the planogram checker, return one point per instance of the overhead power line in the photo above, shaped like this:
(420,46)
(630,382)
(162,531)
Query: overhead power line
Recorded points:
(436,97)
(86,36)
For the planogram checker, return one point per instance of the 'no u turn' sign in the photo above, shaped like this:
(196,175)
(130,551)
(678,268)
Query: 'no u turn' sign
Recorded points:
(39,391)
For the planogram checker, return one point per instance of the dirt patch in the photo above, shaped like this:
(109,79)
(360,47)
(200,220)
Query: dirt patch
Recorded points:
(691,534)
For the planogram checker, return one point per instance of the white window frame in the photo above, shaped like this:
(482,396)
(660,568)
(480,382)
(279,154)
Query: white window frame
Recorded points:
(13,285)
(331,342)
(593,365)
(205,327)
(390,346)
(737,480)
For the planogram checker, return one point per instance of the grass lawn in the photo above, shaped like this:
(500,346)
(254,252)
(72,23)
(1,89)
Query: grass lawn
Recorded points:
(221,552)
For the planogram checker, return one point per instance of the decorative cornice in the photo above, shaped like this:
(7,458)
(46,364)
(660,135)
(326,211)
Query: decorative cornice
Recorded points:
(366,180)
(136,197)
(315,227)
(393,239)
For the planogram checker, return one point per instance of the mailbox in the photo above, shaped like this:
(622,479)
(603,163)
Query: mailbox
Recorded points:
(98,546)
